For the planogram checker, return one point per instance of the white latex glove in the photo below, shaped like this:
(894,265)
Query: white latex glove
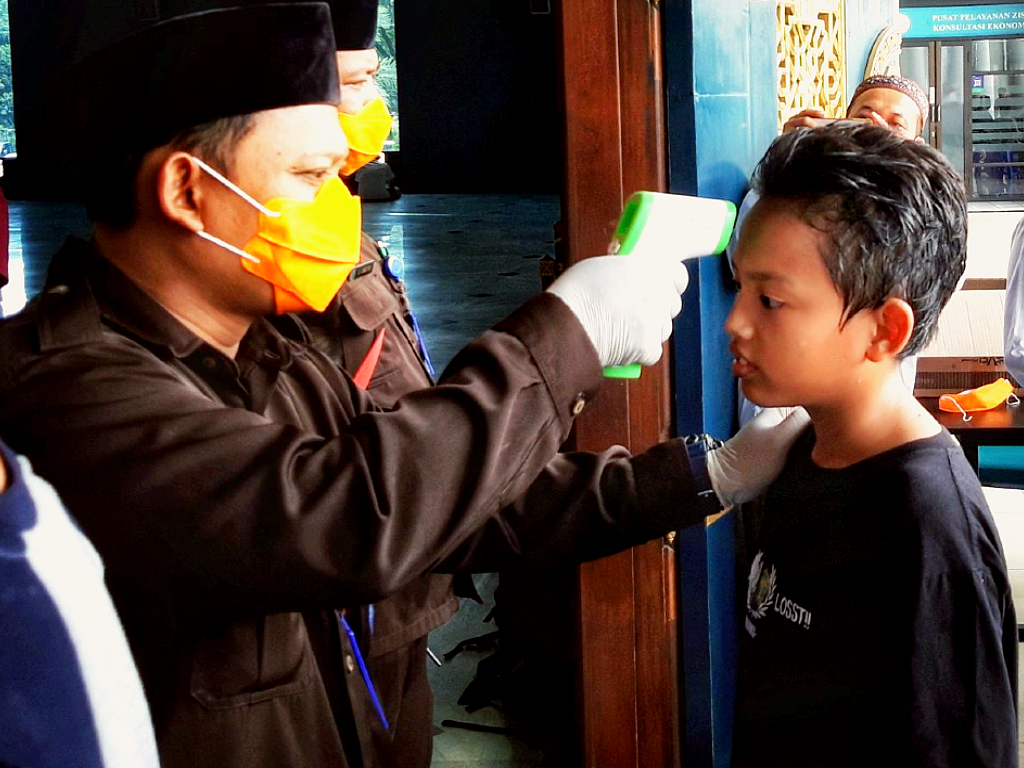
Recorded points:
(747,463)
(625,304)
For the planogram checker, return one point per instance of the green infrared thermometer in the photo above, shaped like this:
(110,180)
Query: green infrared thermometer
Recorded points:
(656,224)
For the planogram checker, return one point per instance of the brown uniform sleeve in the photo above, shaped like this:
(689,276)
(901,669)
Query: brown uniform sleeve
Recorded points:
(234,509)
(584,506)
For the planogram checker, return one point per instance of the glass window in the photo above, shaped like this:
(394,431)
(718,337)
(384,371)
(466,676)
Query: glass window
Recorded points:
(387,75)
(997,134)
(998,55)
(951,106)
(1014,53)
(989,55)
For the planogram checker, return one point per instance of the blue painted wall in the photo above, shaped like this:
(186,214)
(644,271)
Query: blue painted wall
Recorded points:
(721,118)
(864,20)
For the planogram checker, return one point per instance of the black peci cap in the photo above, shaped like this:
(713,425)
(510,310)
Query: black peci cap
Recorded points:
(355,21)
(188,70)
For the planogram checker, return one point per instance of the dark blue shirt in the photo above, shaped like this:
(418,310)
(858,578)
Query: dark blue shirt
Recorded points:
(878,623)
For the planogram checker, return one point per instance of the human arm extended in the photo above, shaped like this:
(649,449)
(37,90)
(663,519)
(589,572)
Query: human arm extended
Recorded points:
(314,500)
(583,506)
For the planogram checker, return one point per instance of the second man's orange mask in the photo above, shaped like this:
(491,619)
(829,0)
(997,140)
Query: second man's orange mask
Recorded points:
(366,131)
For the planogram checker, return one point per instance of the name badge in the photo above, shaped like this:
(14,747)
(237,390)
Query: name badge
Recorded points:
(359,270)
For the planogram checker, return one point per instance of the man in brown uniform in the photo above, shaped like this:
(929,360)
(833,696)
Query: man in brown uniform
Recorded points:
(372,306)
(238,485)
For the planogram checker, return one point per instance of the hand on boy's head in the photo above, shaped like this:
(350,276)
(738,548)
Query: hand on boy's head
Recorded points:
(905,129)
(815,118)
(895,103)
(873,118)
(809,118)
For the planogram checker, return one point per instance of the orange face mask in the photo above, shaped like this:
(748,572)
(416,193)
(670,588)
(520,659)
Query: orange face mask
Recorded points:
(304,248)
(982,398)
(366,131)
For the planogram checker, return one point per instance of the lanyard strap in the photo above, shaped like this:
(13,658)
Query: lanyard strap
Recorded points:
(364,671)
(423,344)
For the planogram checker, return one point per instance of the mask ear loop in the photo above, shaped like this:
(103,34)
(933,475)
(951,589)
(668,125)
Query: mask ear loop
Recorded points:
(966,416)
(233,248)
(242,194)
(236,189)
(1012,400)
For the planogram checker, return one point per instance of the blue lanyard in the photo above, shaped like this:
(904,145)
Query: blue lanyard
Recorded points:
(364,671)
(423,344)
(394,267)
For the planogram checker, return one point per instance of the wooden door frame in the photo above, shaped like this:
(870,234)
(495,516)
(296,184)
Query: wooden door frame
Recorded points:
(616,144)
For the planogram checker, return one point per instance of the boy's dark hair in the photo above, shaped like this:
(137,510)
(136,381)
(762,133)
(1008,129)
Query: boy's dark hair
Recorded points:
(895,212)
(110,195)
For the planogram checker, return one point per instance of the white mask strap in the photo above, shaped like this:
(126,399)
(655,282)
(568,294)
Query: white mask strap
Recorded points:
(1013,399)
(234,249)
(236,189)
(964,413)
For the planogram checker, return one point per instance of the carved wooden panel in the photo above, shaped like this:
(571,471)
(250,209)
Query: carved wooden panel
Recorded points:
(811,56)
(885,53)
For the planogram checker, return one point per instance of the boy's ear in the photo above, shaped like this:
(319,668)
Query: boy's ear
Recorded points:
(178,192)
(894,325)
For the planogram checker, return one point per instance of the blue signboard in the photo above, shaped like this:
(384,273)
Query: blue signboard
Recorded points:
(965,21)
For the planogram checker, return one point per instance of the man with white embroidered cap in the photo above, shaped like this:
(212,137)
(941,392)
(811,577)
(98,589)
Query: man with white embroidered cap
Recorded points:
(239,486)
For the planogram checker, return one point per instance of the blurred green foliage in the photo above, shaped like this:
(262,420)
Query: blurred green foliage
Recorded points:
(7,143)
(387,75)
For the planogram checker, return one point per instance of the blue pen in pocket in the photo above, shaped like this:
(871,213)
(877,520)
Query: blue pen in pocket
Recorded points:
(364,671)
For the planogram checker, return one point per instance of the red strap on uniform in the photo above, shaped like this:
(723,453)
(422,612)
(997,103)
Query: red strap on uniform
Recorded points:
(364,373)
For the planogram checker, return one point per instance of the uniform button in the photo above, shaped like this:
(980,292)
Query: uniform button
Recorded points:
(58,289)
(209,364)
(350,663)
(579,405)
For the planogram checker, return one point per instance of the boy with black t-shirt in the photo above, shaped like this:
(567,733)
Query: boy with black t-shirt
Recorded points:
(878,623)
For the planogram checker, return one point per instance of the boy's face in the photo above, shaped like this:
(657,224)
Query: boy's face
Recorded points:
(787,343)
